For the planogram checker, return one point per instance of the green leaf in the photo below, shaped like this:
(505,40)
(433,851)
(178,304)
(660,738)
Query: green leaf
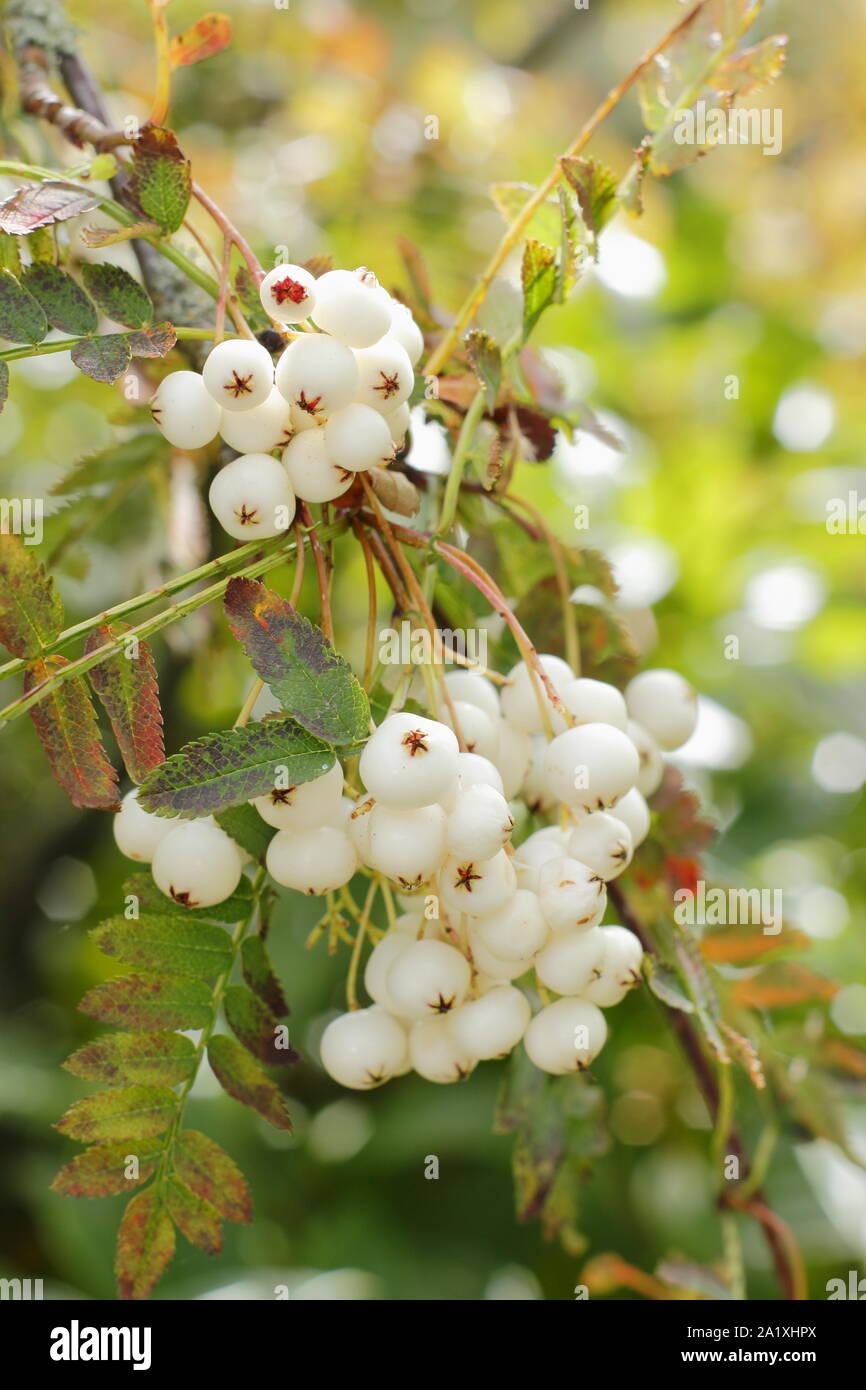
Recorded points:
(259,975)
(485,359)
(310,679)
(664,984)
(103,359)
(125,459)
(211,1175)
(118,295)
(538,278)
(127,686)
(254,1025)
(194,1217)
(65,722)
(21,318)
(31,614)
(101,1171)
(198,949)
(247,829)
(63,301)
(146,1059)
(233,766)
(160,178)
(148,898)
(27,209)
(145,1245)
(131,1112)
(510,200)
(244,1080)
(150,1001)
(595,187)
(569,247)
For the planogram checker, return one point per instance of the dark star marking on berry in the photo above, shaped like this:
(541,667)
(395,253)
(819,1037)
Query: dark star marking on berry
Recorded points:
(346,474)
(311,407)
(288,289)
(182,899)
(415,741)
(246,517)
(389,386)
(462,1072)
(375,1078)
(239,385)
(466,876)
(282,796)
(443,1005)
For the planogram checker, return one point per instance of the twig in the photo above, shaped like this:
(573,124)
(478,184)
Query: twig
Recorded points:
(321,573)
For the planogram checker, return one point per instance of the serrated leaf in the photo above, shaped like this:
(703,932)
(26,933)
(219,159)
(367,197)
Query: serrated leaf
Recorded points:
(148,898)
(209,1172)
(194,1217)
(63,301)
(103,359)
(254,1025)
(244,1080)
(310,679)
(233,766)
(538,279)
(247,829)
(485,359)
(21,317)
(65,721)
(260,976)
(164,944)
(751,68)
(209,35)
(595,188)
(130,1112)
(156,1058)
(145,1245)
(150,1001)
(125,459)
(119,296)
(29,208)
(160,178)
(101,1170)
(31,614)
(97,237)
(156,341)
(126,683)
(663,983)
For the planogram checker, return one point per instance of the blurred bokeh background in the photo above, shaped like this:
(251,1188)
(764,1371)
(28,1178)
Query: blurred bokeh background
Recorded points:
(721,338)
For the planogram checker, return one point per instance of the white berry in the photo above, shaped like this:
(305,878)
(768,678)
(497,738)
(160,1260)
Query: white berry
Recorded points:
(493,1024)
(267,426)
(385,376)
(477,887)
(406,844)
(520,702)
(239,374)
(288,293)
(513,758)
(310,469)
(138,832)
(351,307)
(536,789)
(480,823)
(196,864)
(665,705)
(317,375)
(184,411)
(571,960)
(480,733)
(572,897)
(436,1054)
(398,422)
(595,702)
(517,931)
(603,843)
(312,861)
(410,761)
(471,688)
(591,766)
(565,1036)
(252,498)
(304,806)
(429,977)
(619,968)
(490,965)
(364,1048)
(651,768)
(358,438)
(406,331)
(381,958)
(633,811)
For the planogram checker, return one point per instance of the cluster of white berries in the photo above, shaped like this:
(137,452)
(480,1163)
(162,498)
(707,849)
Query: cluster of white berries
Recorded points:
(336,404)
(478,912)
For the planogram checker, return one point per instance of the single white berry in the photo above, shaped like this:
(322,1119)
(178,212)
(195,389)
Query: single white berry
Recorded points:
(525,692)
(513,758)
(536,851)
(311,471)
(317,375)
(591,766)
(184,411)
(476,887)
(480,733)
(351,307)
(651,764)
(517,931)
(196,864)
(471,688)
(239,374)
(572,897)
(536,789)
(474,771)
(138,832)
(565,1036)
(479,824)
(358,438)
(633,811)
(312,861)
(571,960)
(406,331)
(665,705)
(267,426)
(603,843)
(304,806)
(364,1048)
(491,966)
(595,702)
(252,498)
(410,761)
(429,977)
(407,844)
(398,422)
(288,293)
(492,1025)
(436,1054)
(381,958)
(619,968)
(385,376)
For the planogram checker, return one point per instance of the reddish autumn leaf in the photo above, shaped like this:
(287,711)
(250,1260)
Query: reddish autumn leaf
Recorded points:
(65,721)
(156,341)
(145,1245)
(194,1217)
(207,36)
(211,1174)
(27,209)
(104,1170)
(127,686)
(244,1080)
(31,613)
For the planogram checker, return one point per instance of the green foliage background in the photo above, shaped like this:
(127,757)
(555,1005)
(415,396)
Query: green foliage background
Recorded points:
(303,130)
